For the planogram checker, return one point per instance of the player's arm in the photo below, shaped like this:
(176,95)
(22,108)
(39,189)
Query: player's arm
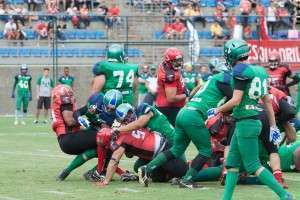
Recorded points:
(79,112)
(98,83)
(239,86)
(14,87)
(113,164)
(269,109)
(137,124)
(29,85)
(290,132)
(67,113)
(195,90)
(171,94)
(225,89)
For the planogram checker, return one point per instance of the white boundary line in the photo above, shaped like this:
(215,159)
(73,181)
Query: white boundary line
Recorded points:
(8,198)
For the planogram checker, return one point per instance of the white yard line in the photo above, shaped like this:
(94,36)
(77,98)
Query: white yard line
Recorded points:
(57,192)
(127,190)
(8,198)
(33,154)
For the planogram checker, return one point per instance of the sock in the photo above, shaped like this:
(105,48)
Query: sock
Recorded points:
(278,175)
(197,164)
(231,181)
(81,159)
(268,179)
(159,160)
(17,114)
(120,171)
(208,174)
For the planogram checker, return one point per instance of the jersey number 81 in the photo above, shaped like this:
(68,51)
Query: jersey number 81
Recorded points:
(258,88)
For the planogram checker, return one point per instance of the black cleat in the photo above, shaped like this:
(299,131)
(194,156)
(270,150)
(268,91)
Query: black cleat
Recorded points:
(143,176)
(93,176)
(189,184)
(63,175)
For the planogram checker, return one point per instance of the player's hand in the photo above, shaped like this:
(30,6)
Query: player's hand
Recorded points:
(129,176)
(29,97)
(102,184)
(275,135)
(212,112)
(83,122)
(13,95)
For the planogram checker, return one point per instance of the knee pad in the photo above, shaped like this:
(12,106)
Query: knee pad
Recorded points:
(198,162)
(169,155)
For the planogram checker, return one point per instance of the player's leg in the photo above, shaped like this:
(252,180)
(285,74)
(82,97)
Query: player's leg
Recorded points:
(79,142)
(138,163)
(77,162)
(233,163)
(248,148)
(209,174)
(18,108)
(176,167)
(38,109)
(199,135)
(47,103)
(25,102)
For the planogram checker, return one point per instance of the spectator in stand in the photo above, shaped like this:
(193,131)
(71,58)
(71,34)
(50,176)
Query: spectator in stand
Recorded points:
(247,33)
(102,11)
(178,29)
(19,13)
(193,12)
(84,16)
(42,30)
(231,22)
(167,30)
(245,8)
(31,5)
(170,12)
(113,16)
(291,7)
(219,14)
(52,8)
(283,17)
(271,18)
(10,30)
(216,33)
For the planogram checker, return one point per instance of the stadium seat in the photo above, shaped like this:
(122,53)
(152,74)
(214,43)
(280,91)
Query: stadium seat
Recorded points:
(13,52)
(4,52)
(36,52)
(211,3)
(30,34)
(24,52)
(229,3)
(158,35)
(81,34)
(1,35)
(44,52)
(99,34)
(282,34)
(90,35)
(265,3)
(70,35)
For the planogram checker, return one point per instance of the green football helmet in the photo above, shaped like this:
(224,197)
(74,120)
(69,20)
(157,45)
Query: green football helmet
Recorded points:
(112,99)
(235,50)
(115,53)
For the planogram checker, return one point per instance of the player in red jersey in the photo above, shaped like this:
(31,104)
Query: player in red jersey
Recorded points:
(278,73)
(71,139)
(171,92)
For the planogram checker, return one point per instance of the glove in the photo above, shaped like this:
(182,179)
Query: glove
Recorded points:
(83,122)
(275,135)
(29,97)
(211,112)
(129,176)
(13,95)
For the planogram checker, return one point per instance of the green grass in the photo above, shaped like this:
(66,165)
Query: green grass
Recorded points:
(30,159)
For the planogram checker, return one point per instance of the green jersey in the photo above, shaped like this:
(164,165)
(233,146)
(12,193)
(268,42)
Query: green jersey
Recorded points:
(118,76)
(23,84)
(286,154)
(142,86)
(213,94)
(158,122)
(190,79)
(255,88)
(66,80)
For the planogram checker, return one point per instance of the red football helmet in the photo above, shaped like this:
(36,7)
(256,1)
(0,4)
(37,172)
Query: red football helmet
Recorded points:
(274,60)
(63,94)
(173,57)
(217,126)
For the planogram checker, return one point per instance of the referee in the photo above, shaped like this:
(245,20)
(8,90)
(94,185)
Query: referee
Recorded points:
(44,87)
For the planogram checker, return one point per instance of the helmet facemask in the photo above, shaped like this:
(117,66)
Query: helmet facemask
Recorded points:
(177,63)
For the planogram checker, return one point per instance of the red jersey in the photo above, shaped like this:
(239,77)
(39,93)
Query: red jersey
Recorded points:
(168,78)
(141,143)
(278,76)
(58,123)
(178,27)
(277,96)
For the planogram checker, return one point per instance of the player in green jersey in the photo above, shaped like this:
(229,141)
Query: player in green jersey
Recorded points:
(290,157)
(190,127)
(250,85)
(190,77)
(23,94)
(66,78)
(116,73)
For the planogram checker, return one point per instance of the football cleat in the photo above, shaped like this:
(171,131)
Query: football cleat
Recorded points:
(129,176)
(35,121)
(175,181)
(63,175)
(93,176)
(23,123)
(288,196)
(143,176)
(16,122)
(189,184)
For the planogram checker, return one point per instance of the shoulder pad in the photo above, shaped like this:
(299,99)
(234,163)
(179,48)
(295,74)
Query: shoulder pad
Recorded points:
(238,71)
(143,108)
(98,68)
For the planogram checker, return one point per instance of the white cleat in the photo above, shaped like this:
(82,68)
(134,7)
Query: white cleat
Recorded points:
(23,123)
(16,122)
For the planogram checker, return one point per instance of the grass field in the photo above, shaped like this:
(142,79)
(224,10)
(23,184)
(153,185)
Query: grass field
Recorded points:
(30,159)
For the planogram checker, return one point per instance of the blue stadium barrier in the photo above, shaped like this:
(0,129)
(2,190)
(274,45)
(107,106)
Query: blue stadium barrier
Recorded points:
(211,52)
